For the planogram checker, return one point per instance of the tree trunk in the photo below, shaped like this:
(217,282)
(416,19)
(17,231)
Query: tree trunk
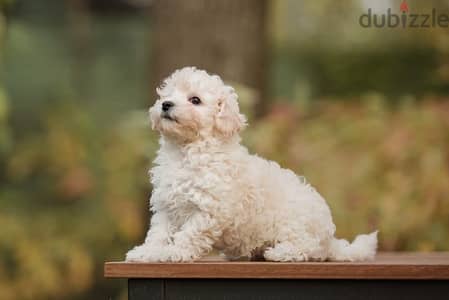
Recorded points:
(224,37)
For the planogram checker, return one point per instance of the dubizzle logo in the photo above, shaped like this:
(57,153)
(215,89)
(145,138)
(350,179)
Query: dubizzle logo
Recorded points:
(404,20)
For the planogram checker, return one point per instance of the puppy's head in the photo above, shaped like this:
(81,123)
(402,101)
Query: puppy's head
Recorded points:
(193,104)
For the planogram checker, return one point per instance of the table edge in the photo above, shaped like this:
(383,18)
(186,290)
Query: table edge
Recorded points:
(281,271)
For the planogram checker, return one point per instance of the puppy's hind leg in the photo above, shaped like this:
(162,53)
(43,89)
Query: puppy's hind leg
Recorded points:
(297,244)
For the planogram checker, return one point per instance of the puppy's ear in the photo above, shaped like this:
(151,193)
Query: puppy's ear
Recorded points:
(228,120)
(154,117)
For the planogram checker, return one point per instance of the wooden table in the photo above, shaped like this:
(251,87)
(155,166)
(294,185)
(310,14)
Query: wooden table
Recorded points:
(391,276)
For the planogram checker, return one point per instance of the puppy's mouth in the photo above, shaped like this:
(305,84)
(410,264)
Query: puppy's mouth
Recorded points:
(166,116)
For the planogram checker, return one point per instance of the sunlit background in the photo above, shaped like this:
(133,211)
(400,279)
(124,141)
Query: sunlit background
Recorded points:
(363,113)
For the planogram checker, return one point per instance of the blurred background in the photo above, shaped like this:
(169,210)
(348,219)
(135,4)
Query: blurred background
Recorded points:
(363,113)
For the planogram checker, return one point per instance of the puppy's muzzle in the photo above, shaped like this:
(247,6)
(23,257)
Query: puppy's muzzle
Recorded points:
(166,105)
(166,109)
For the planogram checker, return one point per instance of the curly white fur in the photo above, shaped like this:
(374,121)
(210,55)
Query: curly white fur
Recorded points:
(208,192)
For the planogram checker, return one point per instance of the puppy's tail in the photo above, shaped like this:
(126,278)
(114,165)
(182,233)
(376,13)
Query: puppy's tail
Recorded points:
(362,248)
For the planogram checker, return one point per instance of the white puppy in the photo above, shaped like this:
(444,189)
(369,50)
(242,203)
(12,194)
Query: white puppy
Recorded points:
(208,192)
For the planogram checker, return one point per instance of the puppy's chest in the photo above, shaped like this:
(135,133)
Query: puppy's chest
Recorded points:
(183,189)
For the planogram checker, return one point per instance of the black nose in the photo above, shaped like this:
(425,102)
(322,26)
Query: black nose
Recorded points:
(166,105)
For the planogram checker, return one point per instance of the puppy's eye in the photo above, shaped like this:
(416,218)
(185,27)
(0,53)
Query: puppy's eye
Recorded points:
(195,100)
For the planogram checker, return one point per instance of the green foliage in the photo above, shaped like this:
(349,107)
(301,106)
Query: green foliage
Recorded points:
(71,197)
(397,70)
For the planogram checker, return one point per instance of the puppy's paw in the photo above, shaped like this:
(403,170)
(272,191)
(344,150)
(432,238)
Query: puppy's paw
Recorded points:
(177,254)
(171,253)
(144,253)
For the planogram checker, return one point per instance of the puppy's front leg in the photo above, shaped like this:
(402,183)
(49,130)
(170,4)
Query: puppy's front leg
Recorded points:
(158,237)
(159,233)
(195,238)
